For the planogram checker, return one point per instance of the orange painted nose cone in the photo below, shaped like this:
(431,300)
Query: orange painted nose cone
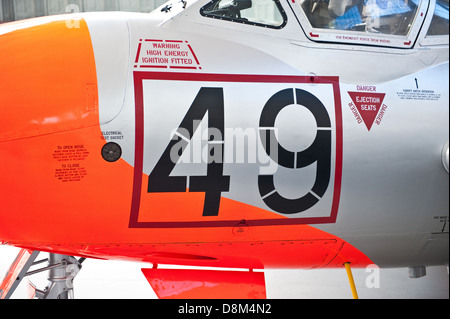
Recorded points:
(48,88)
(47,78)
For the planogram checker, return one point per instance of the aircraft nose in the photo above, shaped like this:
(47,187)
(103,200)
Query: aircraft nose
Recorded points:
(48,88)
(47,78)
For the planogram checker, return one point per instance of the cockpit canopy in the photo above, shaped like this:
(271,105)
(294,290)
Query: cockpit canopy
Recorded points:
(394,23)
(394,17)
(267,13)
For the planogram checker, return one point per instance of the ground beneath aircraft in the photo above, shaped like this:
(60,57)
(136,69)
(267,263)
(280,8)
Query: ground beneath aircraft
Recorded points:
(124,280)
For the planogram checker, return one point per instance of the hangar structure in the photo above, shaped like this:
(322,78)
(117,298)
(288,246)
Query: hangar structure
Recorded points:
(12,10)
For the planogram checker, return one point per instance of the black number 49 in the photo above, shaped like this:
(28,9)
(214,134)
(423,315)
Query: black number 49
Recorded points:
(211,101)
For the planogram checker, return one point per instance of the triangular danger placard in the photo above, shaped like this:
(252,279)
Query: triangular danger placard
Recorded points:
(368,105)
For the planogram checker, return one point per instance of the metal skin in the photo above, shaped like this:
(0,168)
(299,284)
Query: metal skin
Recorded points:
(245,148)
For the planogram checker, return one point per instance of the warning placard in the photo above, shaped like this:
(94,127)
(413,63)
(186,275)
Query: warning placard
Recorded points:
(368,105)
(172,54)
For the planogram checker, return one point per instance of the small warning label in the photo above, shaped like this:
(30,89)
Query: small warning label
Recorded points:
(70,173)
(368,105)
(65,153)
(71,157)
(423,95)
(163,54)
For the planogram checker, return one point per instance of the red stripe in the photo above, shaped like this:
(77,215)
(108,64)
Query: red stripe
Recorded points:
(139,149)
(154,66)
(195,57)
(184,67)
(138,53)
(339,152)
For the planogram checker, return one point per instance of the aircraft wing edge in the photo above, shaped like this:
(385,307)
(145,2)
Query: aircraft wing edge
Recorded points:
(206,284)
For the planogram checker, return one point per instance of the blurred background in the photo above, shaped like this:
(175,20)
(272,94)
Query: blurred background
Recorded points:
(12,10)
(103,279)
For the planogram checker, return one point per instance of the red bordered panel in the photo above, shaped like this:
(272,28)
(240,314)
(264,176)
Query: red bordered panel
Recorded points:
(223,211)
